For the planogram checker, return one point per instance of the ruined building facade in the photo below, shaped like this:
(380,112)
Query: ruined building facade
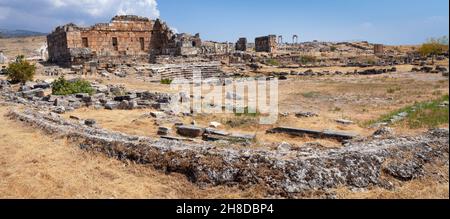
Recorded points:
(378,49)
(183,45)
(266,44)
(241,44)
(124,39)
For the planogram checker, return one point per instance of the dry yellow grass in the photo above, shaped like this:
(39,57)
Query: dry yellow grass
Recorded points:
(417,189)
(27,46)
(33,165)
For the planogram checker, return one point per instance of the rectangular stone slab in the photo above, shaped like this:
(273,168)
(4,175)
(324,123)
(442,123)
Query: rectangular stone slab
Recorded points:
(313,133)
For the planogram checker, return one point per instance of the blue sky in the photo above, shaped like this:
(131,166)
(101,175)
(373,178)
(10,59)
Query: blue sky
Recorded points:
(381,21)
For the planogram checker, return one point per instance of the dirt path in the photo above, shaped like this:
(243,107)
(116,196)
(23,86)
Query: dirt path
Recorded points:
(33,165)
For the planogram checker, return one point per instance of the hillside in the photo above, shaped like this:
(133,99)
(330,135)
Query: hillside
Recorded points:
(5,33)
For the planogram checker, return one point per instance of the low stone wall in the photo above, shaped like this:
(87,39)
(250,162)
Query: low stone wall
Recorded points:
(186,70)
(285,172)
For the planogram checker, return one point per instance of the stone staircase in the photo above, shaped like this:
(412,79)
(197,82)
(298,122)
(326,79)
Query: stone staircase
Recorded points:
(187,70)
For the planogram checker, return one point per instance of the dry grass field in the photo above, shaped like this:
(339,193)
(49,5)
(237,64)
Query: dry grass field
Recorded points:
(28,46)
(34,165)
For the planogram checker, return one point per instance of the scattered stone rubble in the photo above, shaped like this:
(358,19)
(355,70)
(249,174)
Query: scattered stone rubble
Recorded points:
(112,97)
(310,72)
(286,171)
(429,69)
(341,136)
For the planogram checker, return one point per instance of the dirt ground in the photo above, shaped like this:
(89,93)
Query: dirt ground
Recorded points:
(360,99)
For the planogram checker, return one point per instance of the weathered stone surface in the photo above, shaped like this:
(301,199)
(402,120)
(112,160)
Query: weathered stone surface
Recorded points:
(190,131)
(157,114)
(345,122)
(73,45)
(112,105)
(405,171)
(306,114)
(313,133)
(360,164)
(284,147)
(90,122)
(163,131)
(266,44)
(59,110)
(35,92)
(214,124)
(384,132)
(216,132)
(42,85)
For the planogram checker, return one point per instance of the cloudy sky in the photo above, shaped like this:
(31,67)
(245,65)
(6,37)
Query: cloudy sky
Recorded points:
(383,21)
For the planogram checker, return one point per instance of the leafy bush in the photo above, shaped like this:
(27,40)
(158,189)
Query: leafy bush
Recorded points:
(166,81)
(20,71)
(64,87)
(434,47)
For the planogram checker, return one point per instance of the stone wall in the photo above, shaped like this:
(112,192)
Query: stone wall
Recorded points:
(378,49)
(187,70)
(376,161)
(241,44)
(183,45)
(266,44)
(128,37)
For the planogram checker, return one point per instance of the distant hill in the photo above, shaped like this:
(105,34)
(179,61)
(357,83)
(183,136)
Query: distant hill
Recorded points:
(4,33)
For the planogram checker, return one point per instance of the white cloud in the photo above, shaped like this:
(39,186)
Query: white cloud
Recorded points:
(44,15)
(146,8)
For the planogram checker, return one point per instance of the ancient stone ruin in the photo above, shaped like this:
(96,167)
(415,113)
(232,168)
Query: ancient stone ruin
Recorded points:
(3,58)
(125,38)
(266,44)
(241,44)
(183,45)
(378,49)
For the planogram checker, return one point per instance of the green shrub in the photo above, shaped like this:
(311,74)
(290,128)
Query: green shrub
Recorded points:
(166,81)
(333,48)
(20,71)
(64,87)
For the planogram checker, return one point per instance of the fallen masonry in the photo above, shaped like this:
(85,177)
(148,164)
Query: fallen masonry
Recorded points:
(313,133)
(360,164)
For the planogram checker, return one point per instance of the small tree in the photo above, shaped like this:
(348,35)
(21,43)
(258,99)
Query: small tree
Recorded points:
(20,71)
(434,47)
